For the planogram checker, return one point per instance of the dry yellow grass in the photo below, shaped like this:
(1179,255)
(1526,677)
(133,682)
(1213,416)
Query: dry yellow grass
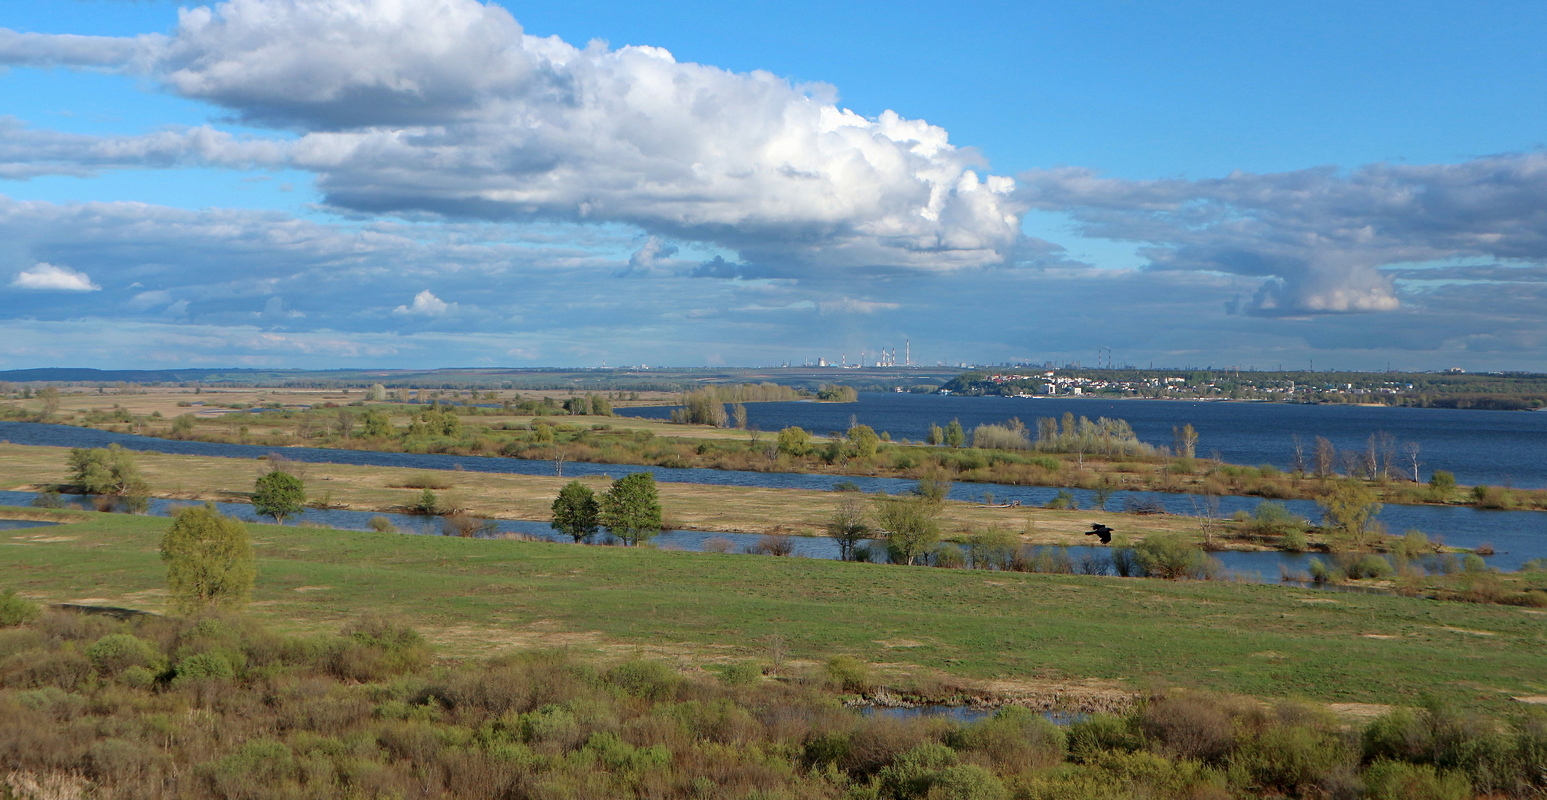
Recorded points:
(529,497)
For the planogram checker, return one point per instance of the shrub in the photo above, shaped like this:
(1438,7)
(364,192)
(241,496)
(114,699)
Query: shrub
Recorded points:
(650,680)
(16,610)
(1099,733)
(204,667)
(849,673)
(773,544)
(117,652)
(1171,556)
(1393,780)
(1013,738)
(742,673)
(382,524)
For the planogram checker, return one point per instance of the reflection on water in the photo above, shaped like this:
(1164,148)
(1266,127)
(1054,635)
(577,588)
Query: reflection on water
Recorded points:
(21,524)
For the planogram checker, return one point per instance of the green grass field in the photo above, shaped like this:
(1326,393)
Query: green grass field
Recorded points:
(1010,629)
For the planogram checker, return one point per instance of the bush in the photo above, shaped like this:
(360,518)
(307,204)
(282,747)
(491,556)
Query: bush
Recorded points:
(16,610)
(650,680)
(1014,738)
(1171,556)
(382,524)
(1393,780)
(743,673)
(849,673)
(114,653)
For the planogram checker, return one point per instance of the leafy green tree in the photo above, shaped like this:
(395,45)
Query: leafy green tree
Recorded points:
(576,512)
(936,435)
(375,424)
(600,406)
(864,440)
(848,527)
(1442,486)
(209,559)
(1348,509)
(110,470)
(542,433)
(279,495)
(631,509)
(954,435)
(794,441)
(911,524)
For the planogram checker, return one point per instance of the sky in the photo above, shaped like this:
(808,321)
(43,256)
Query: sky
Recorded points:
(433,183)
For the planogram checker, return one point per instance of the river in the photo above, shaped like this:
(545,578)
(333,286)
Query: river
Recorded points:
(1505,448)
(1516,536)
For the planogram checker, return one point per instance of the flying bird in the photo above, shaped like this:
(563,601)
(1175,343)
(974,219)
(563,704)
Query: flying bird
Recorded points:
(1097,529)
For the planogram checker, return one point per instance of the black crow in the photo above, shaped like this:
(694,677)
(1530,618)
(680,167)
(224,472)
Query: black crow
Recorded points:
(1097,529)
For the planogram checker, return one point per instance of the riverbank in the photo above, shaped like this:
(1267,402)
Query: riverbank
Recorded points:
(482,596)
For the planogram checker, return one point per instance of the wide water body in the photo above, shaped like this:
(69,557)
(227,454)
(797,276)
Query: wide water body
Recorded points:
(1496,447)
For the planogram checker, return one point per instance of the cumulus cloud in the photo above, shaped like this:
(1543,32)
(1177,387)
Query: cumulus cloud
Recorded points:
(426,304)
(47,277)
(448,106)
(1317,237)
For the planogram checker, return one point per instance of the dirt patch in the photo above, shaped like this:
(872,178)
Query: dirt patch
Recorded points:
(1534,699)
(1090,696)
(1379,636)
(1319,600)
(1466,631)
(1358,711)
(899,643)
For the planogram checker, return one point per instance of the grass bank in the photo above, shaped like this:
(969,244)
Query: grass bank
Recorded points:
(1012,631)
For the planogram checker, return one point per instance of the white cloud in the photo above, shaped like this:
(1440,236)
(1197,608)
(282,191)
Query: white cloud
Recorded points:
(47,277)
(849,305)
(426,304)
(1317,237)
(448,106)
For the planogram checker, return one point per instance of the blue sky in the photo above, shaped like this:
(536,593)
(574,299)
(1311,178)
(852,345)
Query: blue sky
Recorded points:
(423,183)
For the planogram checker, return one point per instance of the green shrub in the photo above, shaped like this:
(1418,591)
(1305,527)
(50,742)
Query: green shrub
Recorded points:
(650,680)
(117,652)
(849,673)
(16,610)
(1013,738)
(1099,733)
(742,673)
(203,667)
(1395,780)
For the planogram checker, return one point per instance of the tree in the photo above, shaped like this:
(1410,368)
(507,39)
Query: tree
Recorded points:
(954,435)
(631,509)
(1442,486)
(279,495)
(936,435)
(375,425)
(50,397)
(110,470)
(377,393)
(1185,441)
(794,441)
(739,416)
(575,512)
(847,527)
(864,440)
(1326,458)
(1348,509)
(910,522)
(209,560)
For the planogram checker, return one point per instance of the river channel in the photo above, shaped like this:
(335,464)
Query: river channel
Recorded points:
(1516,536)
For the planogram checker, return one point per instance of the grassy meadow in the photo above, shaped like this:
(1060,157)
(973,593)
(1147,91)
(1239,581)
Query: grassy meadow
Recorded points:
(1034,635)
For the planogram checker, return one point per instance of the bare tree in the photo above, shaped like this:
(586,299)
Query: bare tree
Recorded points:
(1297,460)
(1410,449)
(1326,458)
